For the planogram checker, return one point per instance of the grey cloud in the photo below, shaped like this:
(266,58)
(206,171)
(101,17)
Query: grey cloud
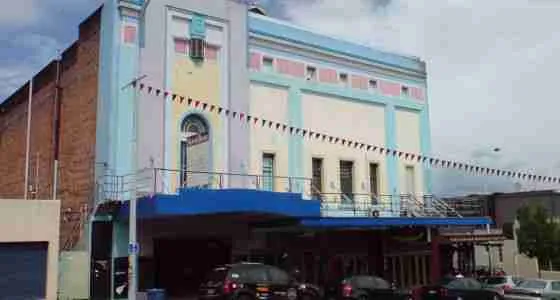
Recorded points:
(492,69)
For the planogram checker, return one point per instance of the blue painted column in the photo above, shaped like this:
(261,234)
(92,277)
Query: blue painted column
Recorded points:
(391,161)
(295,143)
(426,147)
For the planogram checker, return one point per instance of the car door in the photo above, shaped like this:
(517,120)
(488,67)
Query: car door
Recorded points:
(554,290)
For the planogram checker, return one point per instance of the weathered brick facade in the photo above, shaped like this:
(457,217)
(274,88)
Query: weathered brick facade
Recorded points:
(77,94)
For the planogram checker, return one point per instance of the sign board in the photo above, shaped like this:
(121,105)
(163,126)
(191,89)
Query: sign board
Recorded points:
(133,248)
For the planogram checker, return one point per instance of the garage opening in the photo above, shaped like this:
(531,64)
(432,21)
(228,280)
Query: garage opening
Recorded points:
(180,265)
(23,270)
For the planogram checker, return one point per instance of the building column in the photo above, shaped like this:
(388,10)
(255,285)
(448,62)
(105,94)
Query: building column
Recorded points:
(119,255)
(435,270)
(425,147)
(295,143)
(391,161)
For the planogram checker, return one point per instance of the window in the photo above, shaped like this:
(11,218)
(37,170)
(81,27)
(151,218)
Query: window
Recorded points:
(196,48)
(316,177)
(372,84)
(343,78)
(404,91)
(268,172)
(373,179)
(555,286)
(194,151)
(410,182)
(346,180)
(268,64)
(310,73)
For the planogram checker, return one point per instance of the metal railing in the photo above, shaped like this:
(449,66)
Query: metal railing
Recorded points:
(168,181)
(369,205)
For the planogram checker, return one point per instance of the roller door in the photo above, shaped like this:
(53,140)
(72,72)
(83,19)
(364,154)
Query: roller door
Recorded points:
(23,270)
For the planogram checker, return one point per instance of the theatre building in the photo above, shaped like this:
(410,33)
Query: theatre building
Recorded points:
(247,138)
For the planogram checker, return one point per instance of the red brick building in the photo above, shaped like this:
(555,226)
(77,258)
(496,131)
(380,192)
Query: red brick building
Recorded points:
(63,127)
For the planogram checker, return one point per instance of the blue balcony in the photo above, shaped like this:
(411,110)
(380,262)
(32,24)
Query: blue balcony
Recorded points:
(171,193)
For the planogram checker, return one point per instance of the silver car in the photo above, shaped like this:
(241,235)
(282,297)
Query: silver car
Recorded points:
(502,283)
(535,289)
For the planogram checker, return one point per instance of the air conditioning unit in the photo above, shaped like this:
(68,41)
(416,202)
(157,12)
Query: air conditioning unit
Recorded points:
(196,48)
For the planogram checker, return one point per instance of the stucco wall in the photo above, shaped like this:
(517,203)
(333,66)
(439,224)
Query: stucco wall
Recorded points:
(270,103)
(408,140)
(34,221)
(355,120)
(158,62)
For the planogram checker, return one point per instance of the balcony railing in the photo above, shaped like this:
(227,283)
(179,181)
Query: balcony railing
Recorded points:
(166,181)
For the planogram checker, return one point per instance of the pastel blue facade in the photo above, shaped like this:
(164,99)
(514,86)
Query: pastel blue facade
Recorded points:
(120,123)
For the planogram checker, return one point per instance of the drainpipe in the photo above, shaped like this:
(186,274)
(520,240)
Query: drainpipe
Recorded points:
(56,128)
(28,140)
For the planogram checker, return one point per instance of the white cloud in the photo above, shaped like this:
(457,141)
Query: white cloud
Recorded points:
(42,49)
(492,68)
(18,13)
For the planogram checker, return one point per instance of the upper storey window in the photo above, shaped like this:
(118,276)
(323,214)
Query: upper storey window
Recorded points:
(267,64)
(405,91)
(343,79)
(372,84)
(311,73)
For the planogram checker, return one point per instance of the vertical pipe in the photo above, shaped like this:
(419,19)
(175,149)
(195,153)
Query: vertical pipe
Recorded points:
(56,129)
(28,139)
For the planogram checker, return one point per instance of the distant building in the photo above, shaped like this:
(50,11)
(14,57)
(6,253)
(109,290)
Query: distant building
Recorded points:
(502,208)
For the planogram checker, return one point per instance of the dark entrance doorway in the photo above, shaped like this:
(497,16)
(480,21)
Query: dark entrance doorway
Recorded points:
(182,263)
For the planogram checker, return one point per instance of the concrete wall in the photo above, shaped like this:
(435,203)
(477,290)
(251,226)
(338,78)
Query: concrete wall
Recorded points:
(34,221)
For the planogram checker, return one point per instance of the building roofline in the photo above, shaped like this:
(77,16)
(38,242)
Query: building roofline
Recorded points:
(259,24)
(44,71)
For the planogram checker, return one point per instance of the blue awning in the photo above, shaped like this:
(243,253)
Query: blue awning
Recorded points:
(358,222)
(206,202)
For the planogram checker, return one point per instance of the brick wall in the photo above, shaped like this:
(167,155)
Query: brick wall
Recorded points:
(78,107)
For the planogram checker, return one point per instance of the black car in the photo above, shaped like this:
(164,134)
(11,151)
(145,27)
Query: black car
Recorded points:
(251,281)
(463,288)
(364,287)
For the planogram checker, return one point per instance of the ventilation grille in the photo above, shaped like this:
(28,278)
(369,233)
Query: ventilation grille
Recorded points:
(196,48)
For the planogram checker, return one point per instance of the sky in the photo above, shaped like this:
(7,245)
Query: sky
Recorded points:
(492,68)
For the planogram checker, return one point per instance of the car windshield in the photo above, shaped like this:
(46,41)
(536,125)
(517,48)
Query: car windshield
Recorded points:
(216,275)
(532,284)
(496,280)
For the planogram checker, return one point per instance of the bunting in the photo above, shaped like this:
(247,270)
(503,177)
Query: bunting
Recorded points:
(314,135)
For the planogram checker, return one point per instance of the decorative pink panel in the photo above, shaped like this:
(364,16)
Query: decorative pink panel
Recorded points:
(417,93)
(328,76)
(390,88)
(359,82)
(255,61)
(129,34)
(289,67)
(211,52)
(181,46)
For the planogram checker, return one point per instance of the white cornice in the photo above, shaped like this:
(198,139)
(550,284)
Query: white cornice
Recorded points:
(339,60)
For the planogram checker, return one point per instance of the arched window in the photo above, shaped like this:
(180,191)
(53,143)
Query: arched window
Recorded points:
(195,152)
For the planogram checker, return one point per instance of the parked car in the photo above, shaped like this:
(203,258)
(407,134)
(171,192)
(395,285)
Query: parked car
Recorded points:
(533,289)
(364,287)
(251,281)
(502,283)
(464,288)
